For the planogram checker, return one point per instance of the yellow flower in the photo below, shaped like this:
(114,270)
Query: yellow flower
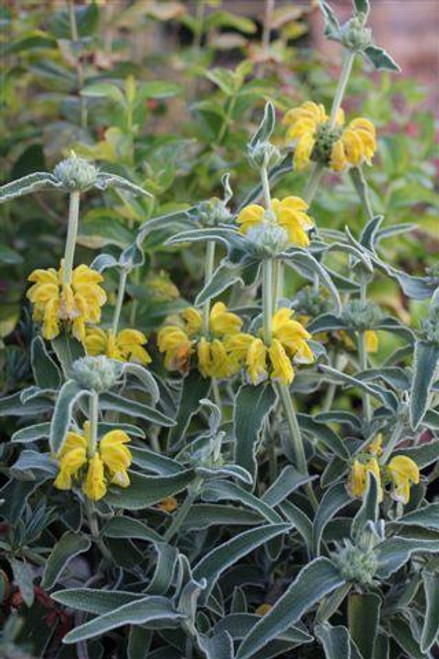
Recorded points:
(76,303)
(237,347)
(311,135)
(403,472)
(126,346)
(256,361)
(179,343)
(282,371)
(168,504)
(376,446)
(108,464)
(358,477)
(292,335)
(94,486)
(371,338)
(290,214)
(262,609)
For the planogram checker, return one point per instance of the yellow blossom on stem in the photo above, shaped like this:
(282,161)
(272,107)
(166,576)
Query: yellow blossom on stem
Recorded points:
(256,361)
(127,345)
(107,465)
(403,472)
(76,304)
(290,214)
(376,446)
(358,477)
(371,338)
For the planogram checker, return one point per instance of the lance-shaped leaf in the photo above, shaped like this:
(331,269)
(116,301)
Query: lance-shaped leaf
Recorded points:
(387,397)
(238,247)
(144,376)
(227,274)
(32,465)
(313,582)
(266,127)
(369,507)
(69,396)
(277,172)
(219,559)
(14,406)
(23,578)
(110,401)
(194,388)
(104,262)
(152,609)
(361,6)
(430,629)
(218,646)
(178,220)
(68,546)
(131,529)
(324,434)
(253,403)
(31,433)
(426,517)
(394,552)
(364,615)
(93,600)
(105,181)
(227,491)
(45,370)
(145,491)
(309,267)
(332,26)
(335,641)
(425,367)
(381,59)
(155,462)
(402,633)
(31,183)
(333,500)
(68,350)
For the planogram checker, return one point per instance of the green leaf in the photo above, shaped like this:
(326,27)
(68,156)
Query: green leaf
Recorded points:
(68,546)
(202,516)
(70,393)
(87,20)
(9,256)
(253,404)
(131,529)
(32,433)
(110,401)
(289,480)
(423,455)
(403,635)
(300,520)
(369,507)
(335,641)
(305,263)
(334,499)
(23,577)
(158,89)
(225,490)
(45,370)
(324,434)
(105,181)
(93,600)
(13,406)
(394,552)
(68,350)
(105,90)
(144,376)
(225,275)
(364,615)
(145,491)
(426,360)
(153,609)
(238,625)
(194,389)
(266,127)
(381,59)
(32,465)
(31,183)
(155,462)
(361,6)
(430,629)
(332,26)
(219,559)
(314,581)
(426,517)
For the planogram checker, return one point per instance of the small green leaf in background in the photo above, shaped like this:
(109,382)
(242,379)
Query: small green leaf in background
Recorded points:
(24,579)
(430,630)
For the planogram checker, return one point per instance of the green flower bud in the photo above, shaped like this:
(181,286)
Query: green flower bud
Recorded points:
(263,154)
(268,239)
(214,212)
(355,35)
(76,174)
(325,139)
(361,316)
(355,564)
(310,302)
(97,373)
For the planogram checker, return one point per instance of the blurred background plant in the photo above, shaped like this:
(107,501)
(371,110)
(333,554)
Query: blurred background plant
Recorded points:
(166,93)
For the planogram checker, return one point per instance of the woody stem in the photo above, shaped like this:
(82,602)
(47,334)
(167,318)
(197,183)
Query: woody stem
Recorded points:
(72,232)
(119,300)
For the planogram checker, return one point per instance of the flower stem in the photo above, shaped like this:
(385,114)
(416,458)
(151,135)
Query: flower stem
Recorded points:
(94,530)
(119,300)
(393,441)
(313,182)
(72,232)
(79,68)
(208,272)
(362,189)
(93,415)
(180,516)
(265,181)
(267,301)
(362,354)
(346,68)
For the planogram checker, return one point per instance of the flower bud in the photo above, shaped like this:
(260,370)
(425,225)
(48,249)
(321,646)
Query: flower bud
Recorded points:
(76,174)
(361,316)
(263,154)
(355,35)
(355,564)
(214,212)
(268,239)
(97,373)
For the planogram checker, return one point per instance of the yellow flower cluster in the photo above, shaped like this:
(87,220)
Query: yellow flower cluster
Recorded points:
(180,342)
(343,147)
(401,472)
(290,214)
(76,303)
(107,465)
(289,342)
(126,345)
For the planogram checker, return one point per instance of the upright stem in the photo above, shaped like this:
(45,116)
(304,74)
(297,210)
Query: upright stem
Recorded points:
(208,272)
(266,186)
(313,182)
(72,232)
(119,300)
(93,420)
(181,515)
(360,184)
(79,68)
(393,441)
(362,355)
(348,60)
(267,300)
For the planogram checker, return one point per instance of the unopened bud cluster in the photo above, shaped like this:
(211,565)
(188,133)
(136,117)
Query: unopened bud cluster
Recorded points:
(361,316)
(263,154)
(356,564)
(97,373)
(355,35)
(268,239)
(76,174)
(214,212)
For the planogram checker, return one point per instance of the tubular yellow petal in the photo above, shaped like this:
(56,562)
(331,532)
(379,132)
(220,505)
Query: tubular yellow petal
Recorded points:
(371,338)
(256,361)
(283,370)
(94,486)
